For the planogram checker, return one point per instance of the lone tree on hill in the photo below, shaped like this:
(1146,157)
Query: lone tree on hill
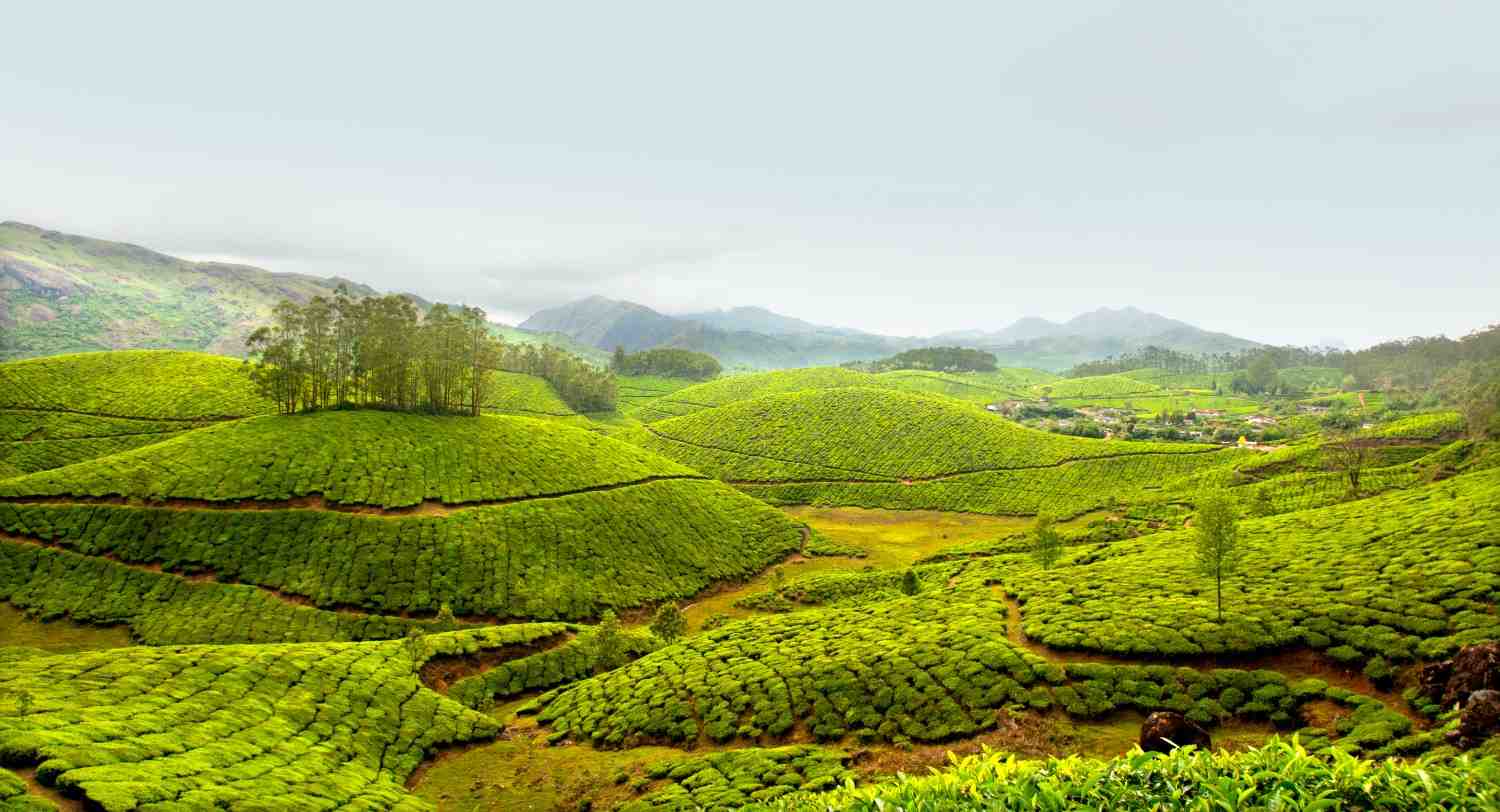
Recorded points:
(1218,552)
(909,583)
(1347,454)
(608,643)
(669,624)
(1046,544)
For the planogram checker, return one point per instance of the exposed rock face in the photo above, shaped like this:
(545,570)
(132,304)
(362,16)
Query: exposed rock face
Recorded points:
(1165,731)
(1474,668)
(1479,720)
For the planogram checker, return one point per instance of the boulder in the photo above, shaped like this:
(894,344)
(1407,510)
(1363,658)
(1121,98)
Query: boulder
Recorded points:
(1479,720)
(1473,668)
(1165,731)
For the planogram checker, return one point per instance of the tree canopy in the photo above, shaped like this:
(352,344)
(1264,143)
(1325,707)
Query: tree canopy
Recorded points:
(667,362)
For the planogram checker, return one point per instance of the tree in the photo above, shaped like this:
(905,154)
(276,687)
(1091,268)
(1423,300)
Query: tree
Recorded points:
(617,362)
(1218,552)
(609,643)
(1348,454)
(668,624)
(1046,544)
(909,583)
(445,621)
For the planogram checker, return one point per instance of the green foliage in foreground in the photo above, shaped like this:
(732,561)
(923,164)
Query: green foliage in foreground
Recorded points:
(570,557)
(737,778)
(311,726)
(1410,574)
(1281,775)
(863,433)
(360,457)
(163,384)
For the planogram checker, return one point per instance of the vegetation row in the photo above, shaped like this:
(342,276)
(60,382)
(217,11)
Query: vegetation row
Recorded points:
(157,384)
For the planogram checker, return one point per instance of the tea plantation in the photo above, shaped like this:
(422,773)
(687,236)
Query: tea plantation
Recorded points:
(154,384)
(315,726)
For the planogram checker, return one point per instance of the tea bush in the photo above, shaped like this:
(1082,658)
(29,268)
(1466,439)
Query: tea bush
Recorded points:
(734,779)
(568,557)
(1281,775)
(1097,386)
(14,796)
(311,725)
(517,393)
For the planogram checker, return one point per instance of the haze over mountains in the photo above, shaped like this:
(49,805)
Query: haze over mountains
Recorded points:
(69,293)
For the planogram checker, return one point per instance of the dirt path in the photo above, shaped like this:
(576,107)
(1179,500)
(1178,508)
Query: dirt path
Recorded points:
(37,788)
(317,501)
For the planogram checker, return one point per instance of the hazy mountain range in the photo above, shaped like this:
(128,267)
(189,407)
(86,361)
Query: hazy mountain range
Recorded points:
(67,293)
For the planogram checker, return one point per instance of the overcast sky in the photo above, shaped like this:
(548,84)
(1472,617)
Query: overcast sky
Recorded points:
(1285,171)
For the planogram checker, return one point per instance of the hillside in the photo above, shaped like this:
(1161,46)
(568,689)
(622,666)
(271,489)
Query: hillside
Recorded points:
(66,293)
(883,448)
(502,516)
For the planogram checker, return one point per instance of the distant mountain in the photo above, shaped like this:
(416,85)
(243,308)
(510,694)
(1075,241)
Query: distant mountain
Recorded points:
(66,293)
(761,320)
(753,336)
(780,341)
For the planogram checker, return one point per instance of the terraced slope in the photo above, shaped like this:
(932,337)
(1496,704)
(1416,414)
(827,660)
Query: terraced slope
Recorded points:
(304,726)
(387,514)
(878,448)
(1097,386)
(1409,574)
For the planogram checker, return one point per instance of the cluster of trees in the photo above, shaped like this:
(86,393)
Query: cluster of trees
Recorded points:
(383,352)
(940,359)
(372,351)
(667,362)
(580,384)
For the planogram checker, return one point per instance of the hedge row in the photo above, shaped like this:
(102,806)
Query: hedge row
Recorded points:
(164,609)
(360,457)
(570,557)
(133,383)
(44,455)
(310,726)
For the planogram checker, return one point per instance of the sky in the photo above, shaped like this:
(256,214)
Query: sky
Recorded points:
(1287,172)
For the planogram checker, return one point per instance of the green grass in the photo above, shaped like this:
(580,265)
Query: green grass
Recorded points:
(159,384)
(1281,775)
(360,457)
(316,725)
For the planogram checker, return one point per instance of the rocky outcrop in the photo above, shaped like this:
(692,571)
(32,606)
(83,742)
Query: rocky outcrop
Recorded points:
(1479,720)
(1473,668)
(1165,731)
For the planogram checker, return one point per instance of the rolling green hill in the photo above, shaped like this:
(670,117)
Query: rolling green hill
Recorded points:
(882,448)
(394,513)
